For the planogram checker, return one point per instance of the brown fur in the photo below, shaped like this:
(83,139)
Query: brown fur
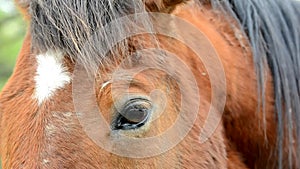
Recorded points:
(239,142)
(163,5)
(23,6)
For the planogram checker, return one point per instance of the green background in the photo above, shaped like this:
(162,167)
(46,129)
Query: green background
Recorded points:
(12,32)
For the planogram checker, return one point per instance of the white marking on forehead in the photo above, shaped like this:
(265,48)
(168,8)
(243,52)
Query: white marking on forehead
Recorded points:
(50,75)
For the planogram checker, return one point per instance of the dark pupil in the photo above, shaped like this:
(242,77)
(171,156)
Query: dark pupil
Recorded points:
(132,117)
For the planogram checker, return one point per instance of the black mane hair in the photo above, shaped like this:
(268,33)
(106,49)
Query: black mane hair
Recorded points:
(77,27)
(273,29)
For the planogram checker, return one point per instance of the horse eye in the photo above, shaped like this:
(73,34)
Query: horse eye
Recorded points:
(134,115)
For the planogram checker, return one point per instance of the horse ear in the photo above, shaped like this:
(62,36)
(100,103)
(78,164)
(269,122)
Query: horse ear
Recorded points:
(162,5)
(23,6)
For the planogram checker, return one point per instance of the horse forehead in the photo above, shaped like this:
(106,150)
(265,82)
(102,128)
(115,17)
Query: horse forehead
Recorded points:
(51,75)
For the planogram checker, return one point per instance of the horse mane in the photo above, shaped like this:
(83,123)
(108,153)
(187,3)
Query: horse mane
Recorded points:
(77,27)
(272,28)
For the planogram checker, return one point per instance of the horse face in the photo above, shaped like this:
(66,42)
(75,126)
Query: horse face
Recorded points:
(143,109)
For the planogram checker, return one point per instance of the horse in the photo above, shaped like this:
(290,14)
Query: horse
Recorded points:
(154,84)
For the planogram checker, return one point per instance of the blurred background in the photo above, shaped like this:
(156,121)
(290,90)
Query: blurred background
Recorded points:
(12,32)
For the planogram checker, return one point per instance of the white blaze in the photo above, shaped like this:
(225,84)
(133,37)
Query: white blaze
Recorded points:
(50,75)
